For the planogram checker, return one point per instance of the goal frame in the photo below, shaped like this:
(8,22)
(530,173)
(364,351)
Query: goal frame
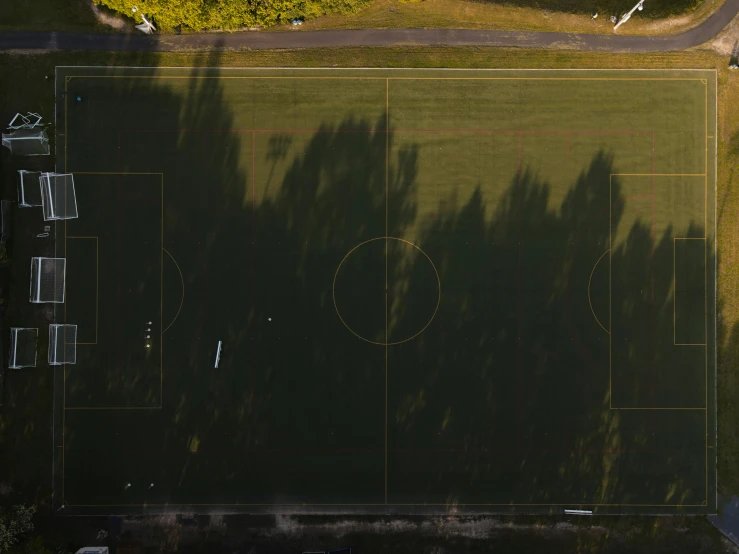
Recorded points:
(22,201)
(48,185)
(35,293)
(19,135)
(13,348)
(54,331)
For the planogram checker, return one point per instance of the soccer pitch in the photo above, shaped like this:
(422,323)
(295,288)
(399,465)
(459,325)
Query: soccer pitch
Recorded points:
(436,290)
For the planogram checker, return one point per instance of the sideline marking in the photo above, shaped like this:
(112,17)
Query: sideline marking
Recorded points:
(364,78)
(417,504)
(705,266)
(387,200)
(704,81)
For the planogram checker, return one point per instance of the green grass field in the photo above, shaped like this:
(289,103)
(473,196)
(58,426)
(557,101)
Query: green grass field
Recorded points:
(483,290)
(52,15)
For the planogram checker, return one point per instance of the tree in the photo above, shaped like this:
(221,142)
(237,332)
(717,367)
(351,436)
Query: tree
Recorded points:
(15,523)
(230,14)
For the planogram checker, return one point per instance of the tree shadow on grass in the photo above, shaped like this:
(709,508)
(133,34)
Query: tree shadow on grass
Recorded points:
(507,396)
(504,397)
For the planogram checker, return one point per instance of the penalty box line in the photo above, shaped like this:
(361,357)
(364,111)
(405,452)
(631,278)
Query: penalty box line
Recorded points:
(610,289)
(97,282)
(161,300)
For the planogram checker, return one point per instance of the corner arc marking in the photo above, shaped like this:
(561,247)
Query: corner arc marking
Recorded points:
(589,281)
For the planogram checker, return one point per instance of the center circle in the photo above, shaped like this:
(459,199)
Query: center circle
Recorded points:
(386,291)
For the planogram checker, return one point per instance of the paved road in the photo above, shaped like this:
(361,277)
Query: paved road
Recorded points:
(370,37)
(727,520)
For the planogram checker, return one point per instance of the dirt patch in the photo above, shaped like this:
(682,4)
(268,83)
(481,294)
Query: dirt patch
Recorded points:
(110,18)
(726,42)
(193,534)
(665,26)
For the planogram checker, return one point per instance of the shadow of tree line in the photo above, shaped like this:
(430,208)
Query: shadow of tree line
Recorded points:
(504,397)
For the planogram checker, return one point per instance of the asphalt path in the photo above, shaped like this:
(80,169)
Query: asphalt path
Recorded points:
(261,40)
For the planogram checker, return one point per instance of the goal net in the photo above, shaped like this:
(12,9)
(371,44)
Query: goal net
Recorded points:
(47,280)
(27,142)
(57,196)
(62,344)
(29,190)
(23,347)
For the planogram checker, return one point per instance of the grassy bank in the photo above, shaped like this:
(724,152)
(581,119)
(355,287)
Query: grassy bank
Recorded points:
(560,16)
(27,89)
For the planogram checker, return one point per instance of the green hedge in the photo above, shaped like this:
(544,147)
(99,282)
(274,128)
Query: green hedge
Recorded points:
(230,14)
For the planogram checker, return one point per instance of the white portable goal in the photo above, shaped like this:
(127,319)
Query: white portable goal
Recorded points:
(27,142)
(19,121)
(48,280)
(62,344)
(57,196)
(28,121)
(29,190)
(23,343)
(146,27)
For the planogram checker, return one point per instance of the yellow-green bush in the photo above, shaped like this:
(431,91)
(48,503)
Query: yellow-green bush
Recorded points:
(230,14)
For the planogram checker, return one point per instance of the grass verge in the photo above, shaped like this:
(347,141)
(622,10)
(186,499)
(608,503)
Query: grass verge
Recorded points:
(48,15)
(465,14)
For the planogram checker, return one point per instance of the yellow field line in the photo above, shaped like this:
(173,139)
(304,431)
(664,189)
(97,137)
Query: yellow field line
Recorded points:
(66,111)
(610,365)
(97,283)
(705,274)
(118,173)
(64,366)
(663,409)
(113,407)
(387,79)
(363,78)
(182,299)
(161,295)
(589,281)
(387,200)
(674,296)
(336,307)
